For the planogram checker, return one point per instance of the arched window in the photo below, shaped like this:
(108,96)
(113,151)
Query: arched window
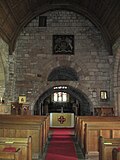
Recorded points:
(60,97)
(63,74)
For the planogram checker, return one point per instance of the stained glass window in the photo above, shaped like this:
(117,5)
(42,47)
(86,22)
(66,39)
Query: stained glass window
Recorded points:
(60,97)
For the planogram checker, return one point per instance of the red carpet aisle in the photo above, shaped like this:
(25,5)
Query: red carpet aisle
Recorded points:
(61,146)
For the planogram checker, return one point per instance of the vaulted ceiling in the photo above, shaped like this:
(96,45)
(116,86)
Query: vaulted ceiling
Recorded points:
(15,14)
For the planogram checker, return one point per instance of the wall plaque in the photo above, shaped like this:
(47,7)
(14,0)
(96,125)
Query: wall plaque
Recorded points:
(22,99)
(63,44)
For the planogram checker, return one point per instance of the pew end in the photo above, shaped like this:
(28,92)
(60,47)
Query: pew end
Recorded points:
(17,155)
(116,153)
(106,146)
(12,145)
(24,126)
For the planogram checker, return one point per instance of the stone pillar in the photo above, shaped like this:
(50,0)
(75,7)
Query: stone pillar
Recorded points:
(118,104)
(46,109)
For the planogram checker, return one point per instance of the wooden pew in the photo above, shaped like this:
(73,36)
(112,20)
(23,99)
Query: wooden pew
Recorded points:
(106,146)
(25,144)
(93,130)
(92,120)
(116,153)
(78,123)
(78,120)
(17,155)
(77,126)
(37,119)
(86,119)
(24,126)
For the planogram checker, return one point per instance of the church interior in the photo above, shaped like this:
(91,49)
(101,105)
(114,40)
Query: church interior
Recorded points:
(59,80)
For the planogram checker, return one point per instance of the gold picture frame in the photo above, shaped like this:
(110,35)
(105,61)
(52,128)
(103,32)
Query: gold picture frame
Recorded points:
(22,99)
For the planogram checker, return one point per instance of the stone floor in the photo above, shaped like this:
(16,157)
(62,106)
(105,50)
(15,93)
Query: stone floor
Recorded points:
(78,150)
(80,153)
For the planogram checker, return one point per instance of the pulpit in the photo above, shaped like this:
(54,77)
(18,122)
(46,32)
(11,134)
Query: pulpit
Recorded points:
(62,120)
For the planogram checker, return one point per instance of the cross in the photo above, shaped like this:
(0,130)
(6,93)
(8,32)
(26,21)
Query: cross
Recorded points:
(61,119)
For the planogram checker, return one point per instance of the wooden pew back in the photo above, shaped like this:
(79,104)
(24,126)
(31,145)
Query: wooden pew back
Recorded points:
(11,155)
(86,119)
(25,126)
(93,130)
(116,154)
(25,144)
(106,145)
(81,119)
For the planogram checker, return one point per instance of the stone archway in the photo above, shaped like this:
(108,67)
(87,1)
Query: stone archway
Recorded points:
(81,100)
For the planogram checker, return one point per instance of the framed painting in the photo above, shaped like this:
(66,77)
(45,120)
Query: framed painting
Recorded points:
(63,44)
(22,99)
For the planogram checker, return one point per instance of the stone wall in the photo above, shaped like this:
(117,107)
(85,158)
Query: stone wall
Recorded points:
(116,76)
(4,67)
(35,59)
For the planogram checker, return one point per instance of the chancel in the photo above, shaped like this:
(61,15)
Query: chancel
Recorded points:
(60,80)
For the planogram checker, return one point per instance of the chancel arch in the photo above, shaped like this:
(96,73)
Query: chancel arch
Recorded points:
(76,102)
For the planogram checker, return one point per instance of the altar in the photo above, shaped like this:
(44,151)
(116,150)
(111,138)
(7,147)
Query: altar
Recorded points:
(62,120)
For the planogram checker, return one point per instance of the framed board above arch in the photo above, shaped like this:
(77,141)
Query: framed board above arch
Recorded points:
(63,44)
